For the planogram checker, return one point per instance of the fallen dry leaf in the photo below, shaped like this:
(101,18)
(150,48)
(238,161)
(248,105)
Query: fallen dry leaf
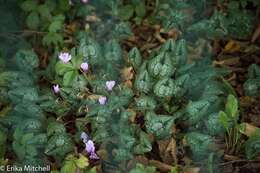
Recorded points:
(93,97)
(167,149)
(163,167)
(127,73)
(192,170)
(230,157)
(249,129)
(256,34)
(232,46)
(228,61)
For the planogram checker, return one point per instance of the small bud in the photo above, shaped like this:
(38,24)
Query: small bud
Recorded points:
(84,66)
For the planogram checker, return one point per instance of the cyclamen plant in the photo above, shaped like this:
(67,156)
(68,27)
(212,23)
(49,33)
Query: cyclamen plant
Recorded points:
(164,82)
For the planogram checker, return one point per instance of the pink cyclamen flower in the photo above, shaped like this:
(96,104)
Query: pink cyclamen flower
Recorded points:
(89,146)
(102,100)
(56,88)
(93,156)
(110,85)
(64,57)
(84,1)
(84,66)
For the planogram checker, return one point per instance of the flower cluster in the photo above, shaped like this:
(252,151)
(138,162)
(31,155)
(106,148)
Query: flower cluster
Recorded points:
(89,146)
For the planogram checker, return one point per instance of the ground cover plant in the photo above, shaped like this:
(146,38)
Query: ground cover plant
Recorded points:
(139,86)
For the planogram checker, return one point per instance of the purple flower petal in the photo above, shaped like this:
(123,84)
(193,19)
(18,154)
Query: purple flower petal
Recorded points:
(110,85)
(84,66)
(102,100)
(93,156)
(84,136)
(56,88)
(65,57)
(90,148)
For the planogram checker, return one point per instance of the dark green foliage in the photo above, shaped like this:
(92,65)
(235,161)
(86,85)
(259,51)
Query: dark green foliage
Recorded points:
(26,117)
(170,88)
(142,169)
(188,17)
(159,125)
(252,85)
(199,144)
(252,145)
(11,24)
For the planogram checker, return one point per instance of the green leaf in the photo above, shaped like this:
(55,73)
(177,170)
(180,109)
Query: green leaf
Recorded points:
(199,144)
(19,150)
(76,61)
(140,9)
(6,77)
(142,169)
(69,77)
(33,21)
(252,87)
(161,66)
(23,94)
(146,103)
(92,170)
(26,60)
(143,81)
(82,162)
(69,167)
(135,58)
(164,88)
(52,38)
(61,68)
(26,138)
(252,145)
(223,118)
(29,5)
(55,128)
(44,11)
(55,26)
(231,106)
(59,145)
(214,126)
(197,110)
(3,138)
(126,12)
(144,144)
(159,125)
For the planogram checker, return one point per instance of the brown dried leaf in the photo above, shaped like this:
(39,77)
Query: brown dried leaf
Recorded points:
(246,101)
(93,18)
(228,61)
(167,149)
(249,129)
(163,167)
(232,46)
(256,34)
(192,170)
(133,116)
(127,73)
(93,97)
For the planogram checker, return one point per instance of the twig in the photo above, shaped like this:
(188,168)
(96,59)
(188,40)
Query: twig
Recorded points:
(235,161)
